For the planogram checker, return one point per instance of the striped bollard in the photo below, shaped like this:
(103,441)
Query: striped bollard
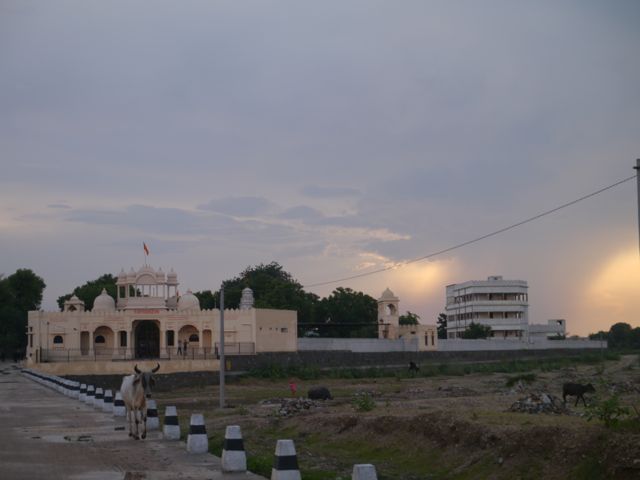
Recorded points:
(197,441)
(234,458)
(83,392)
(285,463)
(98,400)
(171,427)
(153,422)
(119,410)
(108,402)
(364,471)
(91,395)
(75,389)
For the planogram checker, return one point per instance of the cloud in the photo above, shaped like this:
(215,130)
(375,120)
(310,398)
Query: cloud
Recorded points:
(239,206)
(316,191)
(59,205)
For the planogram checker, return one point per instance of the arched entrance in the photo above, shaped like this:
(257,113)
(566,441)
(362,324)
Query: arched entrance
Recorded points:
(147,334)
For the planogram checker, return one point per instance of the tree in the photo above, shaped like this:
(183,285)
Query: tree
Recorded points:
(19,293)
(272,287)
(347,313)
(90,290)
(620,335)
(476,331)
(442,326)
(409,318)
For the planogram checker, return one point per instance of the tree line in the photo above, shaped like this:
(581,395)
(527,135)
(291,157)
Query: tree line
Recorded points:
(19,293)
(620,336)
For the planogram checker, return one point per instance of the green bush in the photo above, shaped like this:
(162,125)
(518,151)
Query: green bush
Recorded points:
(363,402)
(608,411)
(525,378)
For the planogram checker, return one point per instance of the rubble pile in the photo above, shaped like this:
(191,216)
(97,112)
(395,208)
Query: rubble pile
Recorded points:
(540,402)
(292,406)
(623,387)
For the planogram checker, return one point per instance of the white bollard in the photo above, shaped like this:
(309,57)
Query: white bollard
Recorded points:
(234,458)
(75,389)
(119,410)
(83,392)
(153,422)
(197,441)
(171,427)
(108,402)
(98,400)
(364,471)
(285,463)
(91,395)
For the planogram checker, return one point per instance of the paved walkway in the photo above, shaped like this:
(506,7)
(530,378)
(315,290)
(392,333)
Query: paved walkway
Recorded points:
(46,435)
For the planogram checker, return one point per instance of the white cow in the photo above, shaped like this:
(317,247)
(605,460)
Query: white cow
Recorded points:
(135,389)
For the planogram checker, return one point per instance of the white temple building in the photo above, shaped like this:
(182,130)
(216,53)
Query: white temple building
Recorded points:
(149,319)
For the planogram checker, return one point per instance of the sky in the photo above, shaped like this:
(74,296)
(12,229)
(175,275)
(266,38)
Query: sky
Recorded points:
(333,137)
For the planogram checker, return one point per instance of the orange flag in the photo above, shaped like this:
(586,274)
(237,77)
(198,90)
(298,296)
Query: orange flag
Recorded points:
(146,249)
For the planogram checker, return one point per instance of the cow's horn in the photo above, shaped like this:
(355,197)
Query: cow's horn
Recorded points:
(156,369)
(136,369)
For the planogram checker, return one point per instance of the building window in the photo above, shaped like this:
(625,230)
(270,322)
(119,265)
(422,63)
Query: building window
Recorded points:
(123,338)
(194,337)
(284,330)
(170,338)
(57,340)
(99,339)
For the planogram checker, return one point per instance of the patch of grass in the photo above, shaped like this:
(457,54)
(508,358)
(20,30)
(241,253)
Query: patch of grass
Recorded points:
(524,378)
(363,402)
(589,469)
(260,464)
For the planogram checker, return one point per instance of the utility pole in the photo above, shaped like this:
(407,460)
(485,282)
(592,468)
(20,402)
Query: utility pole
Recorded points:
(221,348)
(637,169)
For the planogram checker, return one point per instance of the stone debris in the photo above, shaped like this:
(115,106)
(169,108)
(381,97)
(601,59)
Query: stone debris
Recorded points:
(540,402)
(623,387)
(292,406)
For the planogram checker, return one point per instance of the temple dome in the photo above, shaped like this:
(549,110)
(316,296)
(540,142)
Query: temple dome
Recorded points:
(246,302)
(188,301)
(388,295)
(104,302)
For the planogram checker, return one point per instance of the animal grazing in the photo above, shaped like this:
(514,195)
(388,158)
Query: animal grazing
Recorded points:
(413,367)
(135,389)
(577,390)
(319,393)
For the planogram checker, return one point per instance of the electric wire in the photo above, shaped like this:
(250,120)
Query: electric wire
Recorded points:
(474,240)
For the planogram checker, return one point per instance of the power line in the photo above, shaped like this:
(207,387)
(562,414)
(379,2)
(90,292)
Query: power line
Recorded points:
(475,240)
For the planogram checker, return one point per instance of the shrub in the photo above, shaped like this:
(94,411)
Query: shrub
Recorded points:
(363,402)
(608,411)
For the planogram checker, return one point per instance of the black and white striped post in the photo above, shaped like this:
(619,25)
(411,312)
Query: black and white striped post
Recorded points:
(285,463)
(364,471)
(119,410)
(98,400)
(107,406)
(234,458)
(171,427)
(153,422)
(83,392)
(197,439)
(91,394)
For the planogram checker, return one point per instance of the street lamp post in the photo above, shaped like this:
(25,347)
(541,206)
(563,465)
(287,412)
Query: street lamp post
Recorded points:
(221,348)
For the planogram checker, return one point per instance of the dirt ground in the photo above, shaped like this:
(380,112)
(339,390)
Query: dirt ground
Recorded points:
(417,427)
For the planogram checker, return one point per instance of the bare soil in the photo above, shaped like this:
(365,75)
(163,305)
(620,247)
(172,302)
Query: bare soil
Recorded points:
(432,427)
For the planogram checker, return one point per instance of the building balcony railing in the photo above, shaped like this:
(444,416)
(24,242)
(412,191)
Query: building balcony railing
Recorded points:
(489,303)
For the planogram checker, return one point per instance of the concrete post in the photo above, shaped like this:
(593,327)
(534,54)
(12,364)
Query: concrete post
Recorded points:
(234,458)
(285,463)
(364,471)
(153,422)
(171,427)
(197,441)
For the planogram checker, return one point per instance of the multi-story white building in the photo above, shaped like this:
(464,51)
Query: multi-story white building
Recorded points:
(501,304)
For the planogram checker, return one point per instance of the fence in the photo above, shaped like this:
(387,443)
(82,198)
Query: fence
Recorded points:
(55,355)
